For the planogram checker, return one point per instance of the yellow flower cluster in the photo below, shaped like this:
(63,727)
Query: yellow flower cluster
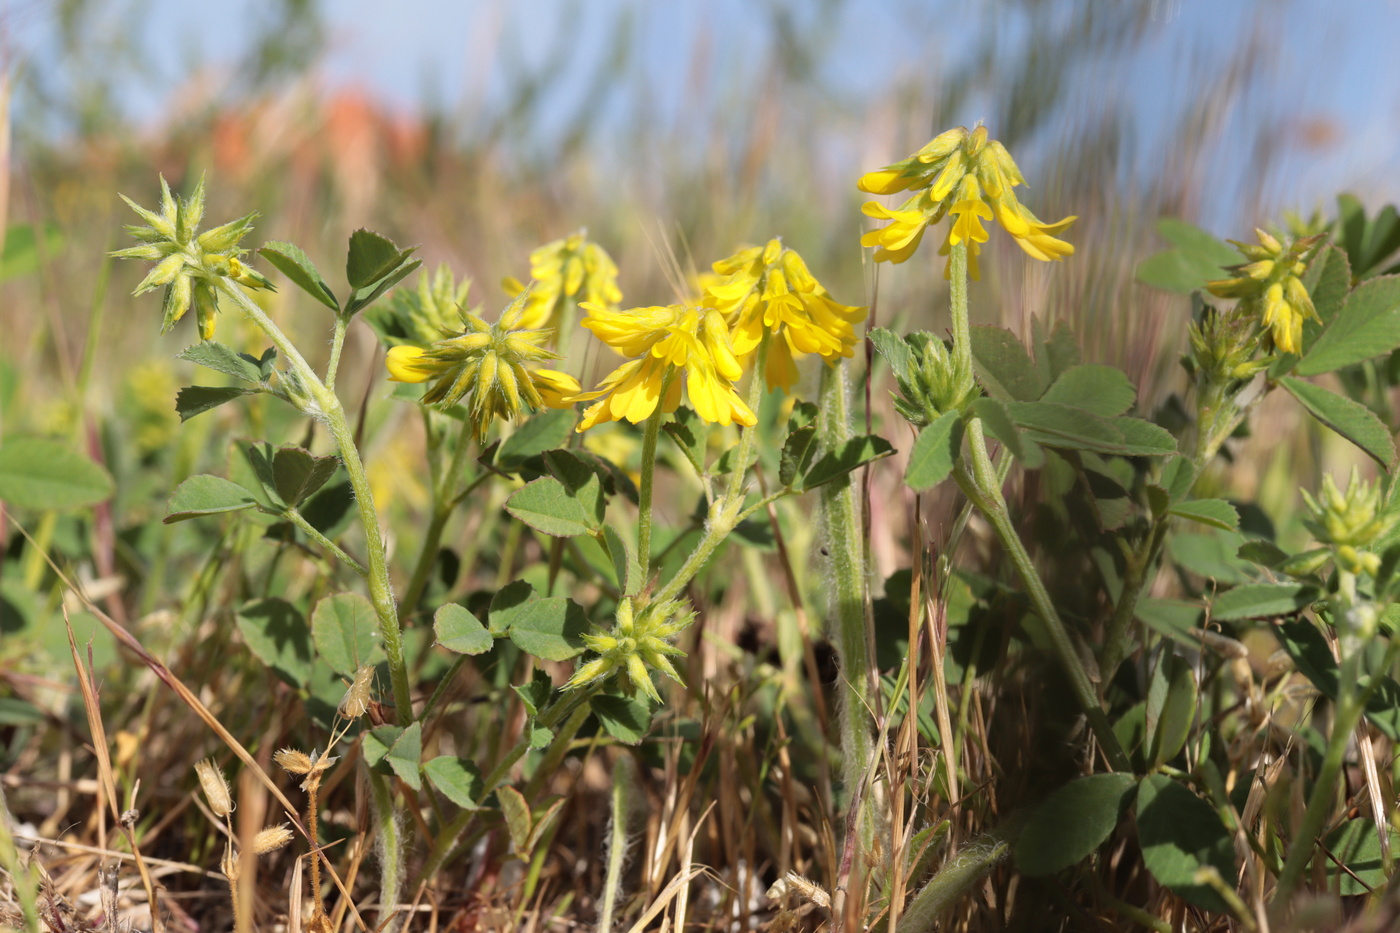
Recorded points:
(1269,286)
(969,176)
(768,288)
(664,341)
(486,365)
(570,269)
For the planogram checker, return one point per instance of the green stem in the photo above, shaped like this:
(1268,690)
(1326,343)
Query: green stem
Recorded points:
(444,502)
(623,779)
(993,507)
(389,847)
(310,530)
(983,486)
(1351,704)
(325,406)
(337,344)
(846,547)
(644,487)
(566,705)
(1139,563)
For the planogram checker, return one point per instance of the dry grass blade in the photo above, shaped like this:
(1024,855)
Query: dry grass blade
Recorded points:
(678,887)
(108,782)
(189,699)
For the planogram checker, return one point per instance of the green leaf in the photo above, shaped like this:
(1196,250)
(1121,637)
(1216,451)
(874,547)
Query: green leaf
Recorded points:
(377,743)
(1262,601)
(195,400)
(896,352)
(1072,822)
(540,737)
(535,694)
(328,510)
(853,454)
(227,360)
(1197,258)
(288,259)
(1332,282)
(551,629)
(797,454)
(625,564)
(206,495)
(459,631)
(517,813)
(687,431)
(1066,427)
(934,452)
(1357,845)
(1169,720)
(458,780)
(259,455)
(1144,439)
(1103,390)
(533,436)
(1180,834)
(1351,420)
(625,719)
(362,298)
(297,474)
(36,473)
(546,505)
(1367,326)
(277,635)
(1382,239)
(1215,512)
(1192,238)
(998,421)
(346,630)
(1313,657)
(1178,476)
(1003,366)
(406,755)
(371,257)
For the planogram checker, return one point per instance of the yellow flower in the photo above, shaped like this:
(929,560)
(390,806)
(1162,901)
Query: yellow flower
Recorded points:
(189,263)
(769,288)
(573,268)
(965,174)
(665,340)
(485,365)
(1269,286)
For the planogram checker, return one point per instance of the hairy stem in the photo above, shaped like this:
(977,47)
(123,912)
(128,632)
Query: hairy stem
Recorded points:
(846,547)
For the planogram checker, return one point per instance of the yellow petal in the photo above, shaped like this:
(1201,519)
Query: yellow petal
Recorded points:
(404,364)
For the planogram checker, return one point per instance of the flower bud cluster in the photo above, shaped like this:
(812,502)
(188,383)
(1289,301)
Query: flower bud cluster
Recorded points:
(1270,288)
(189,264)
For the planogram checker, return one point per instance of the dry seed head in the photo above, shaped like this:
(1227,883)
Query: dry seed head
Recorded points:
(272,839)
(229,864)
(293,761)
(211,781)
(356,699)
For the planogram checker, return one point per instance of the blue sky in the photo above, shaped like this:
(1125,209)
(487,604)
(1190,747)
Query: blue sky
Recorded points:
(1331,67)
